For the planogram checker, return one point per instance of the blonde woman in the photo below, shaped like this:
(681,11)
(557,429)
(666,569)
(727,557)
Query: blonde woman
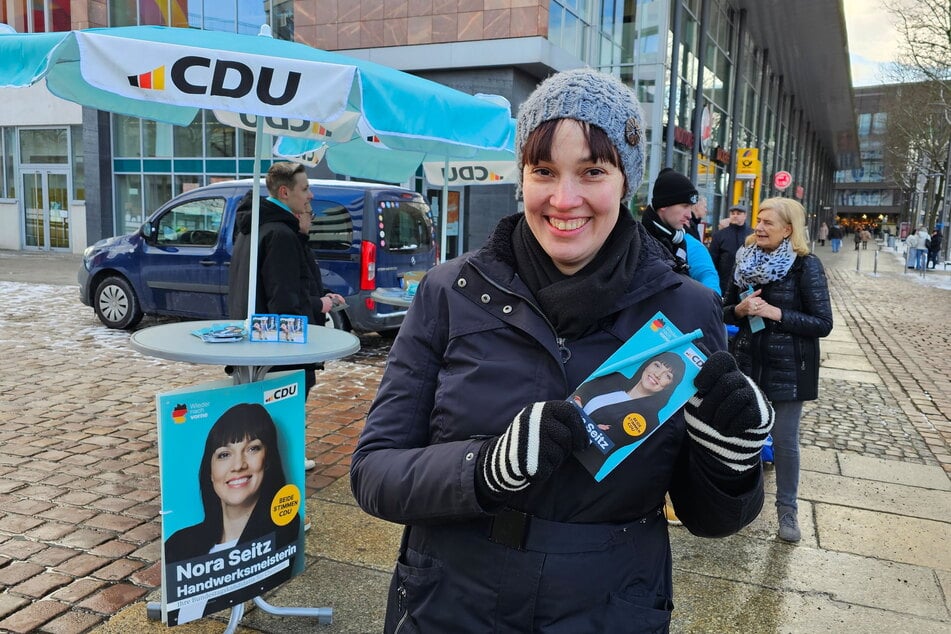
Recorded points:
(791,295)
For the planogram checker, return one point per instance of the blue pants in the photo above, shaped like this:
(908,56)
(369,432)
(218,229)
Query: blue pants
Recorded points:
(836,244)
(786,451)
(921,262)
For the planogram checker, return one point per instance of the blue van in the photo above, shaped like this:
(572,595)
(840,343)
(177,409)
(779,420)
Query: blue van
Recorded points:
(364,236)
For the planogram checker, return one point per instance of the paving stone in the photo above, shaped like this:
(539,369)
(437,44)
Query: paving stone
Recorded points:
(112,598)
(17,572)
(72,622)
(77,590)
(41,585)
(32,617)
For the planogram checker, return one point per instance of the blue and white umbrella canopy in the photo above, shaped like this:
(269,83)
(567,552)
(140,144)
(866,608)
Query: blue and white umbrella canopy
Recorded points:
(168,74)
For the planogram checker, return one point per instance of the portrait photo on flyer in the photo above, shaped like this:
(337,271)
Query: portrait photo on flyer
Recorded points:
(635,391)
(232,483)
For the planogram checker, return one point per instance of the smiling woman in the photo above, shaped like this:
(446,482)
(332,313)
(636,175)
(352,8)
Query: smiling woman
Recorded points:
(472,410)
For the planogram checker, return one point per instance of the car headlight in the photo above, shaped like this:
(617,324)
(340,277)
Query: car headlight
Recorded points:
(87,252)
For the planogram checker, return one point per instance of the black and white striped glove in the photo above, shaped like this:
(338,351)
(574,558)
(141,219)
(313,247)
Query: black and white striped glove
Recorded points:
(729,416)
(538,440)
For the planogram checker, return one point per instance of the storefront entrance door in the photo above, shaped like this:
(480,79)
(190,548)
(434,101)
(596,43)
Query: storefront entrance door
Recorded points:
(45,209)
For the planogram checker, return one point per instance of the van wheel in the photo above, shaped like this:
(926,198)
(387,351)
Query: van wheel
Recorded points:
(333,320)
(115,303)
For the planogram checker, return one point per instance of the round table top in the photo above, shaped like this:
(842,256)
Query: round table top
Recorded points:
(176,342)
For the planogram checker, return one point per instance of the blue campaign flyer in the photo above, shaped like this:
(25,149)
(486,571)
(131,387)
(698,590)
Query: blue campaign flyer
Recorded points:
(635,391)
(231,462)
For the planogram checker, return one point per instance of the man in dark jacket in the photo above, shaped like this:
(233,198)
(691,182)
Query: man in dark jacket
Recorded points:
(288,279)
(725,243)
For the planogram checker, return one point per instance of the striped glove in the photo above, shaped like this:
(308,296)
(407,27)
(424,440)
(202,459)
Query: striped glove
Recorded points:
(538,440)
(729,416)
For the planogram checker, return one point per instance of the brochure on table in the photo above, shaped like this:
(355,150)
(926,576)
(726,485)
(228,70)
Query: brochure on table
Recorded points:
(635,391)
(198,579)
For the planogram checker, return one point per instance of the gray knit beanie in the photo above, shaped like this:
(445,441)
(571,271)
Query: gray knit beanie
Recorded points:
(596,98)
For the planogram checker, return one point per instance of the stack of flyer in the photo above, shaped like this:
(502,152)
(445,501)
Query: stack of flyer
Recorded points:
(221,333)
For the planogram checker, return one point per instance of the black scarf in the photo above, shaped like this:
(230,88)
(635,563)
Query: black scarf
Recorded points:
(666,236)
(575,304)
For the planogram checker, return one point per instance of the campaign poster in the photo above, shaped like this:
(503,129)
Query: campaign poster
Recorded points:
(231,462)
(635,391)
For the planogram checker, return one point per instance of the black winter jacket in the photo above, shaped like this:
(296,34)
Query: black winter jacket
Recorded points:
(783,358)
(473,350)
(288,277)
(723,247)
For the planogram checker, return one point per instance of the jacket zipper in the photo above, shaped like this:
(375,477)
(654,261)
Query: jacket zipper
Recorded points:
(560,341)
(403,608)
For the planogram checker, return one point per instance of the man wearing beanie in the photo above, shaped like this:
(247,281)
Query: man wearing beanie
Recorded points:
(726,242)
(670,211)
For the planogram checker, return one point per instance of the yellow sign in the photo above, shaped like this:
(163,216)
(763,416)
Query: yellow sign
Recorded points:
(748,167)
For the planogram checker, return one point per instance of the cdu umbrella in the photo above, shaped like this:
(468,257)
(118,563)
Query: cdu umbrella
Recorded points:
(168,74)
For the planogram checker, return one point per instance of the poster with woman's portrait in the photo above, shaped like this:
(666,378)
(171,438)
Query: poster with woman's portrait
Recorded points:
(635,391)
(231,461)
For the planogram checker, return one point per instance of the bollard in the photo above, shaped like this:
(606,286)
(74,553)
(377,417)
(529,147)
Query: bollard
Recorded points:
(858,261)
(875,263)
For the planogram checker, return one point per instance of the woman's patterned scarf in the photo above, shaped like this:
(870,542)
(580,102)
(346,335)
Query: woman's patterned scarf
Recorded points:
(755,267)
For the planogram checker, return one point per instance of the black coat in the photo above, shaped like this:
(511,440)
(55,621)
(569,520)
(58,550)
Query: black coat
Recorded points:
(783,357)
(475,349)
(288,277)
(726,242)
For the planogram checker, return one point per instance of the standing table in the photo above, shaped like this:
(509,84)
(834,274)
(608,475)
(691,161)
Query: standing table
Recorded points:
(251,361)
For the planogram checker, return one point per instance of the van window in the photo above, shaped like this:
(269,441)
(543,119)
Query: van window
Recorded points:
(332,227)
(406,226)
(193,223)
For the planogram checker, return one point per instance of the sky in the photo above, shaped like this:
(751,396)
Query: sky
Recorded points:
(873,40)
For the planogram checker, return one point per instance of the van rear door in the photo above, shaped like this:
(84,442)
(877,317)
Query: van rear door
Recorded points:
(403,232)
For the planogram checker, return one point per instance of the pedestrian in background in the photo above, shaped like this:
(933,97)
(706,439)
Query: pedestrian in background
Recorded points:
(823,234)
(667,218)
(697,226)
(469,441)
(866,237)
(726,242)
(791,297)
(911,247)
(835,237)
(923,245)
(934,249)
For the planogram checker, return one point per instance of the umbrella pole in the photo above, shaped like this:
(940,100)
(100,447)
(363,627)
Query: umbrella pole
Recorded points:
(255,217)
(444,211)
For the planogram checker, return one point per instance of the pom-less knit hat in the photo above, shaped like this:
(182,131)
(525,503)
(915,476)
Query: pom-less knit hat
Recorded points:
(672,188)
(585,94)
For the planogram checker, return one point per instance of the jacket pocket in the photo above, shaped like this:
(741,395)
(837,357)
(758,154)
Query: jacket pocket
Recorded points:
(413,586)
(644,615)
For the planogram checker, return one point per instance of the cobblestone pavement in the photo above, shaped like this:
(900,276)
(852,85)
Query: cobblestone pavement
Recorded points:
(79,492)
(79,488)
(903,324)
